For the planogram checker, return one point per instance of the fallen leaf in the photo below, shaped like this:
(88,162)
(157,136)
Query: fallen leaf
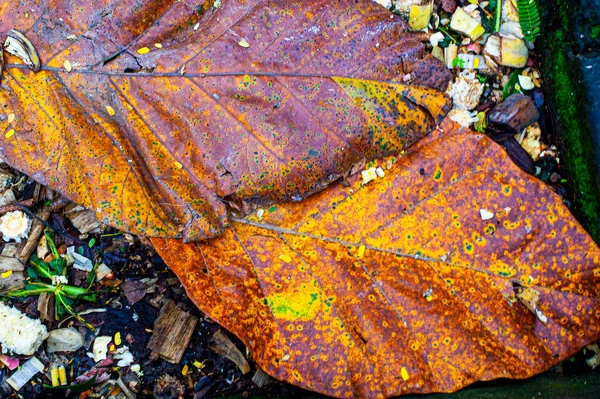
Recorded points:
(275,121)
(429,306)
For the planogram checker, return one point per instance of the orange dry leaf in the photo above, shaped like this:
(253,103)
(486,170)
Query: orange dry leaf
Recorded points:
(159,152)
(430,305)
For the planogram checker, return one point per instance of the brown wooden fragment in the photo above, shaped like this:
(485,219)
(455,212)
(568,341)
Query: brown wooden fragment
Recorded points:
(34,236)
(172,332)
(46,307)
(12,274)
(222,345)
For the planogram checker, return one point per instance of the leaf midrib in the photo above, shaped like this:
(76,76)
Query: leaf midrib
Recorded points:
(198,75)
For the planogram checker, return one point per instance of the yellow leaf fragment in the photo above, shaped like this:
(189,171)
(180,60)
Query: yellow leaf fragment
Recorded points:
(67,65)
(361,251)
(198,364)
(118,338)
(244,43)
(404,374)
(419,16)
(110,110)
(143,50)
(285,258)
(6,274)
(10,133)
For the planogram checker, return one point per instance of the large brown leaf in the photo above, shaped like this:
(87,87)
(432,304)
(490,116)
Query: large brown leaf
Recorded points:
(173,108)
(399,285)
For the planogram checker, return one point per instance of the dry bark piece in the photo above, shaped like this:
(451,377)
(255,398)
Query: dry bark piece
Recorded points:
(222,345)
(172,332)
(517,111)
(260,378)
(46,303)
(82,219)
(427,294)
(37,229)
(159,153)
(12,274)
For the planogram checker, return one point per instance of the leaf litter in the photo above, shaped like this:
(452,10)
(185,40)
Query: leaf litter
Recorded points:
(500,64)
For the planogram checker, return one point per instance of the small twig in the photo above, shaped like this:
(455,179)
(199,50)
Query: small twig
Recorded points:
(36,232)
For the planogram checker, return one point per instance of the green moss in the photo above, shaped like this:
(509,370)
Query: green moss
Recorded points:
(563,91)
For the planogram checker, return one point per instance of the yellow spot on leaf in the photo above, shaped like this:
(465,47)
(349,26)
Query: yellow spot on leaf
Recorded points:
(361,251)
(296,303)
(404,374)
(110,110)
(118,338)
(285,258)
(143,50)
(10,133)
(6,274)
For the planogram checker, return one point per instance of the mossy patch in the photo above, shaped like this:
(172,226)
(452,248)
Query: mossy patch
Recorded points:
(565,95)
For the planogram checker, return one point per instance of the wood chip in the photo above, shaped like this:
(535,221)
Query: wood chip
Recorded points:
(82,219)
(46,307)
(110,110)
(158,45)
(12,274)
(11,118)
(10,133)
(260,378)
(67,65)
(36,232)
(244,43)
(222,345)
(172,332)
(143,50)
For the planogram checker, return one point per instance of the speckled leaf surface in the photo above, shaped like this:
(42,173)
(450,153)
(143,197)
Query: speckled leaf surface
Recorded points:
(399,285)
(157,113)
